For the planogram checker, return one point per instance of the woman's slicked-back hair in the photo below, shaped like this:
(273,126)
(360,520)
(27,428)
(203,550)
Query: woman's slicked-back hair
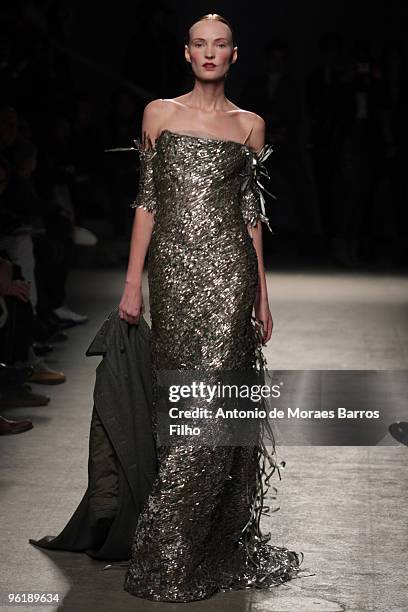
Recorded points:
(211,17)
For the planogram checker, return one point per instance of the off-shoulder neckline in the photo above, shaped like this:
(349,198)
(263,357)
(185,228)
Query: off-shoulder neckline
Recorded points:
(207,139)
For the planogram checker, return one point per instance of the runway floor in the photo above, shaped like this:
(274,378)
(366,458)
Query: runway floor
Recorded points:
(343,506)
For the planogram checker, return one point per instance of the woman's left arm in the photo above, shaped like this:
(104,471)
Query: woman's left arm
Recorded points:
(261,304)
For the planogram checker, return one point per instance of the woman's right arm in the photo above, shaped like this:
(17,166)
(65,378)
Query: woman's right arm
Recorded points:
(131,305)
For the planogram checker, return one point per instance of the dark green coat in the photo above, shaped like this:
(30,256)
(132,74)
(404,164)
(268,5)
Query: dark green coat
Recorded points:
(122,460)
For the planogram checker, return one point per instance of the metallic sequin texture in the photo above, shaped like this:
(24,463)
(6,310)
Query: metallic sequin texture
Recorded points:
(199,532)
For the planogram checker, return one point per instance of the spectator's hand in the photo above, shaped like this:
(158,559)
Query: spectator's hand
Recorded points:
(19,289)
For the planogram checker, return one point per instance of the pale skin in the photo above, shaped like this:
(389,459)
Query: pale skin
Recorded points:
(204,109)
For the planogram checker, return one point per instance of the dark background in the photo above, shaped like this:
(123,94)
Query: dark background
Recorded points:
(79,74)
(302,23)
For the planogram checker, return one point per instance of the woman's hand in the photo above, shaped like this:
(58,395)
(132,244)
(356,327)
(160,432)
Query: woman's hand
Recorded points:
(131,305)
(263,313)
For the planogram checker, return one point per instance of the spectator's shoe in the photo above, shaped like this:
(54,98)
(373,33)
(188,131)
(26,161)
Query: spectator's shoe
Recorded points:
(66,314)
(20,397)
(44,375)
(41,349)
(14,427)
(61,323)
(84,237)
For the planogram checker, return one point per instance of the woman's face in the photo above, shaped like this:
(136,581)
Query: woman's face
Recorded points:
(210,50)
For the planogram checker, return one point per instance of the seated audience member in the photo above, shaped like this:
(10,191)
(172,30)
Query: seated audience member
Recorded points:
(15,338)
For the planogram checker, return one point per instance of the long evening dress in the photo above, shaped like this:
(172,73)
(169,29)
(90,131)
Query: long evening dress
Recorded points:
(199,531)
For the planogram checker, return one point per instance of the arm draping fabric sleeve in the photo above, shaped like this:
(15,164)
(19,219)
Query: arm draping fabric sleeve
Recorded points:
(146,195)
(251,196)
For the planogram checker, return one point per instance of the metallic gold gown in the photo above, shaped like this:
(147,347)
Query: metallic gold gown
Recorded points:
(199,532)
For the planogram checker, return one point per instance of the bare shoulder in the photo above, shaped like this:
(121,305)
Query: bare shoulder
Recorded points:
(153,117)
(250,121)
(256,126)
(255,121)
(154,107)
(179,100)
(259,122)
